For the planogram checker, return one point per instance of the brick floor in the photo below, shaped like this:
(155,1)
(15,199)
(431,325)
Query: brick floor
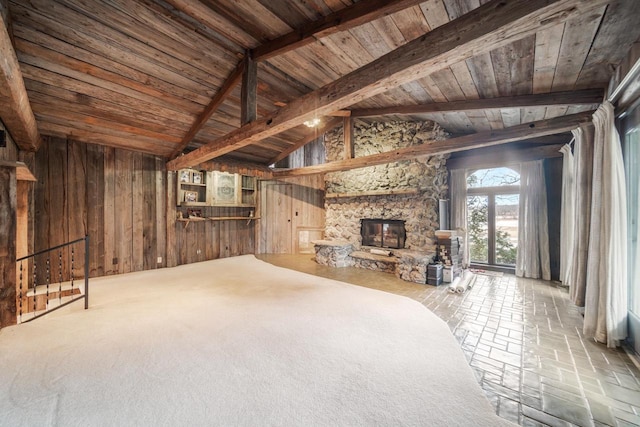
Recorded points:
(523,339)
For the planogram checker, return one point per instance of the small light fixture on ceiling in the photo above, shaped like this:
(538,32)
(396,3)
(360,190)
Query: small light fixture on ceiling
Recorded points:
(312,123)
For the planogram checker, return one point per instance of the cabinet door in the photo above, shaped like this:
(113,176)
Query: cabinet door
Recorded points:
(225,189)
(276,220)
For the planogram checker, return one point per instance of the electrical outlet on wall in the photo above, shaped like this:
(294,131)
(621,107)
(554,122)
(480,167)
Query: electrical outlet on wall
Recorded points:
(159,260)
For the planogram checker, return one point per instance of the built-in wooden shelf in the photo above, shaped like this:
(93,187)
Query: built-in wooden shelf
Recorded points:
(372,193)
(216,218)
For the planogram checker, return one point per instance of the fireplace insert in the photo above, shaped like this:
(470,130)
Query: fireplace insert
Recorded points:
(383,233)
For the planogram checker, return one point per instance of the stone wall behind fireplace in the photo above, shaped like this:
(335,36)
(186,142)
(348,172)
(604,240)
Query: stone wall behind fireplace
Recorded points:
(428,175)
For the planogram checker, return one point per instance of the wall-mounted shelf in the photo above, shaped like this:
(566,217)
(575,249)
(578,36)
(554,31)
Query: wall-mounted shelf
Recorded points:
(186,221)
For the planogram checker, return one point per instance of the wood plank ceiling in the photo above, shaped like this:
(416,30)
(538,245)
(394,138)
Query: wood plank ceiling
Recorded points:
(138,74)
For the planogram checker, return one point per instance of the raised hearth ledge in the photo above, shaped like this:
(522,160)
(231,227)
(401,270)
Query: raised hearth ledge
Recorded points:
(332,243)
(406,264)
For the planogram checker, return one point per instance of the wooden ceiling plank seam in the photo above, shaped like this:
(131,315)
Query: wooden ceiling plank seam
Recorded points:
(452,145)
(64,97)
(99,61)
(611,45)
(448,85)
(71,68)
(120,24)
(481,69)
(16,113)
(155,12)
(532,114)
(411,22)
(547,51)
(435,13)
(432,89)
(223,9)
(573,54)
(351,16)
(118,41)
(43,103)
(76,115)
(295,14)
(493,24)
(110,48)
(556,111)
(465,80)
(232,80)
(86,89)
(208,17)
(417,92)
(90,123)
(457,8)
(513,66)
(210,32)
(388,31)
(510,117)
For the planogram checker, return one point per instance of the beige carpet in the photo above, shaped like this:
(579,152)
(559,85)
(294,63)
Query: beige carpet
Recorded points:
(237,342)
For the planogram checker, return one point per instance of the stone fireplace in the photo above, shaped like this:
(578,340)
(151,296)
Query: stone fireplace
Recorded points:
(407,191)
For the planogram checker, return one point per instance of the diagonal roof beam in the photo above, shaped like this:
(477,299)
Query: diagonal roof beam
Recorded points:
(16,113)
(578,97)
(227,87)
(342,20)
(462,143)
(349,17)
(492,25)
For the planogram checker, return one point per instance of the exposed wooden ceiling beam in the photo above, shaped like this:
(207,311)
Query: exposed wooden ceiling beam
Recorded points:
(16,113)
(505,156)
(320,130)
(226,89)
(578,97)
(491,25)
(467,142)
(342,20)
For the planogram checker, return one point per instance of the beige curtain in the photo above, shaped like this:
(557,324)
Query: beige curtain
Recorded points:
(605,314)
(568,212)
(576,275)
(532,259)
(458,196)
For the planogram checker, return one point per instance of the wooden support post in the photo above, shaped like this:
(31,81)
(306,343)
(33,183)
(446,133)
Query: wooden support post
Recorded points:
(248,112)
(8,184)
(347,133)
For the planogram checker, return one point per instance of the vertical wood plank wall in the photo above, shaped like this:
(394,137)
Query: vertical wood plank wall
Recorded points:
(305,210)
(125,202)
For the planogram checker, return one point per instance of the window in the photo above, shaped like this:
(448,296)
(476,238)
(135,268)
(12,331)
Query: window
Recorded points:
(630,138)
(492,208)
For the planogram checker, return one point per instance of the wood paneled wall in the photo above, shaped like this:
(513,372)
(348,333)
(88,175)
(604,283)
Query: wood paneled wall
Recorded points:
(115,196)
(125,202)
